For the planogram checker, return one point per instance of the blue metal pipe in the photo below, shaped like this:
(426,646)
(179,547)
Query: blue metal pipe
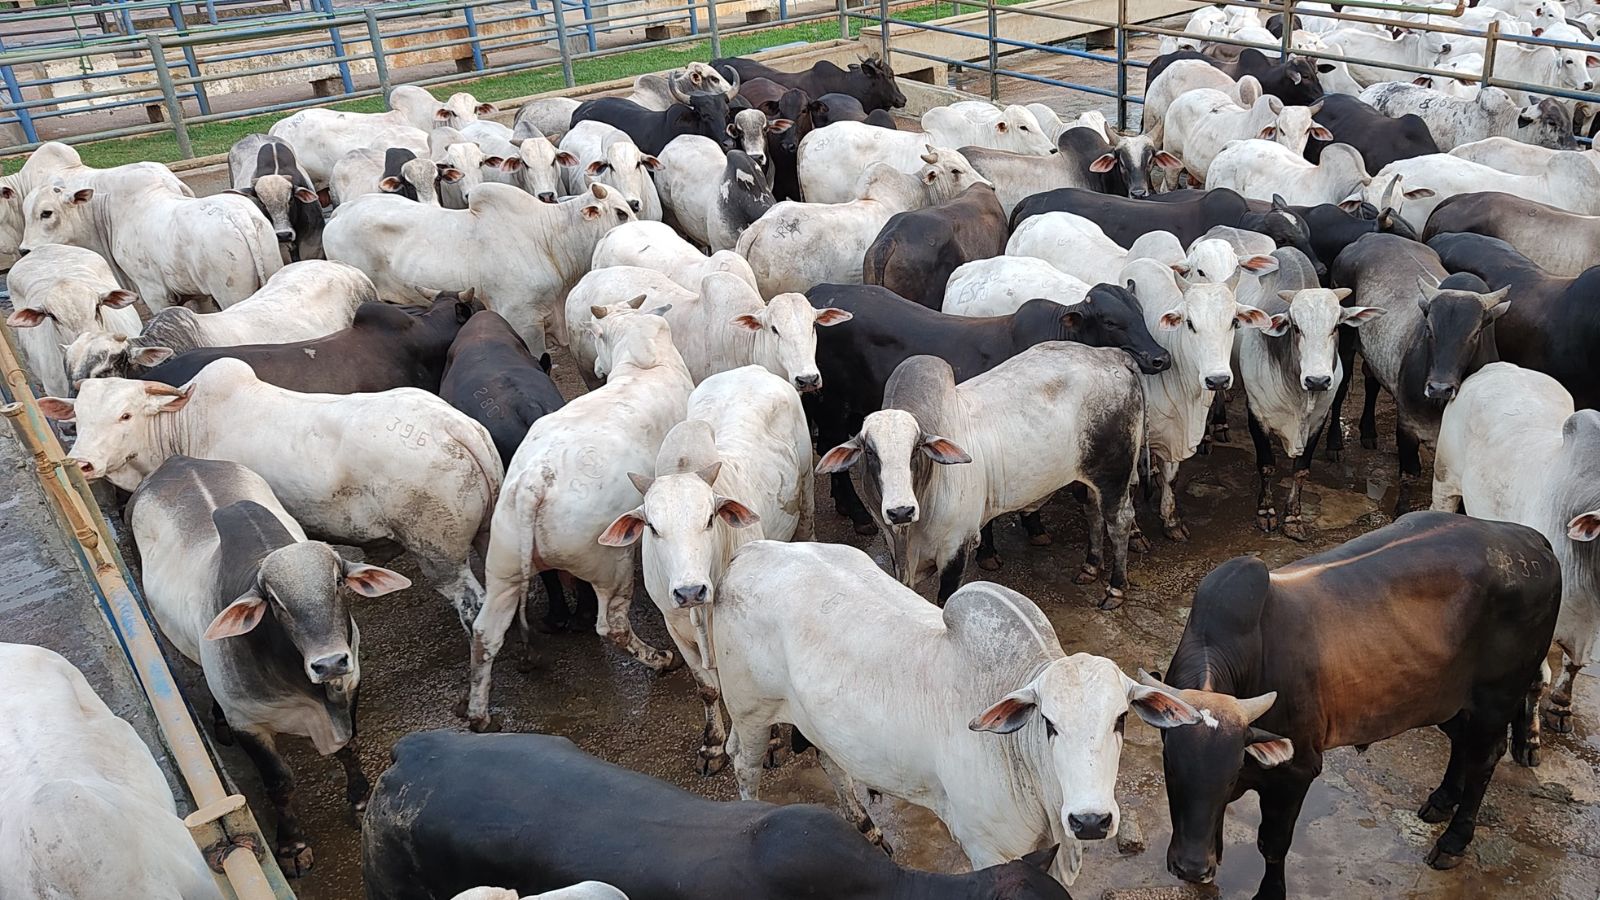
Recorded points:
(189,60)
(23,116)
(472,32)
(338,49)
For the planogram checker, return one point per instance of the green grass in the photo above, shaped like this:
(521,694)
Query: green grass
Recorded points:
(217,137)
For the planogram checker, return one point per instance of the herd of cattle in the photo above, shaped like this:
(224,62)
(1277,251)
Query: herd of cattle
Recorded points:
(761,278)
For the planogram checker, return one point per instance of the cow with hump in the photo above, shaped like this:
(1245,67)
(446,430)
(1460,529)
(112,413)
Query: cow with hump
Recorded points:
(238,590)
(433,828)
(61,295)
(1280,665)
(1012,743)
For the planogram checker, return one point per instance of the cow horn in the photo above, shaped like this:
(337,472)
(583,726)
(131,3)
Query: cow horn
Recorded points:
(156,389)
(641,483)
(1148,680)
(708,474)
(733,83)
(1390,191)
(1256,707)
(675,91)
(638,301)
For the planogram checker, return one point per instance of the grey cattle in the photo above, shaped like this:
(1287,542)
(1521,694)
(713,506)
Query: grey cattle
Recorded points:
(237,588)
(263,168)
(1453,121)
(1561,242)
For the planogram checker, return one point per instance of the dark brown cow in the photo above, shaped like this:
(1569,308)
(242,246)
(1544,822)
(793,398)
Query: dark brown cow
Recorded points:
(1437,619)
(917,250)
(871,81)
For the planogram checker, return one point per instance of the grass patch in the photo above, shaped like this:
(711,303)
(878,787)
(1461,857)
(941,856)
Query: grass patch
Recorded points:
(217,137)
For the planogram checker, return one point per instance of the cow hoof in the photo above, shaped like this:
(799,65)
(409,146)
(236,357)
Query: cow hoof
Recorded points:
(1526,757)
(525,664)
(1370,442)
(1112,600)
(1334,454)
(1558,719)
(1177,532)
(1434,814)
(1296,531)
(1267,519)
(1205,446)
(1042,539)
(1138,543)
(874,835)
(489,724)
(989,563)
(1220,434)
(712,761)
(866,529)
(1087,575)
(661,661)
(1443,859)
(295,859)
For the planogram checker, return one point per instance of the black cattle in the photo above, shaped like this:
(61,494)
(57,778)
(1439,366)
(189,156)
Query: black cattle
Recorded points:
(386,346)
(1553,324)
(783,148)
(1294,82)
(1380,139)
(1333,229)
(917,250)
(836,107)
(758,92)
(857,357)
(871,81)
(743,195)
(290,204)
(705,114)
(1275,24)
(1122,168)
(535,813)
(1187,214)
(1460,611)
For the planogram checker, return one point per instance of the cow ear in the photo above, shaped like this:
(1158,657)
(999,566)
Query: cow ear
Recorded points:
(306,195)
(57,408)
(1001,127)
(1325,68)
(1072,318)
(1351,204)
(1166,160)
(372,581)
(1423,81)
(1267,132)
(238,617)
(651,163)
(1269,749)
(1261,264)
(1418,194)
(1171,319)
(598,167)
(735,513)
(839,458)
(943,451)
(1277,325)
(1591,62)
(624,530)
(118,299)
(1250,317)
(1585,527)
(1012,712)
(28,318)
(590,213)
(484,109)
(770,107)
(450,174)
(82,195)
(832,316)
(8,193)
(390,185)
(1157,707)
(1103,163)
(441,115)
(1042,859)
(748,321)
(1355,315)
(150,357)
(1320,133)
(641,483)
(566,159)
(777,125)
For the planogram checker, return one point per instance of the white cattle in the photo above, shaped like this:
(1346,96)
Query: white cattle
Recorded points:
(587,890)
(1423,50)
(322,137)
(565,486)
(704,189)
(1531,64)
(1511,448)
(1569,182)
(452,150)
(221,559)
(655,245)
(605,155)
(532,162)
(169,245)
(1001,446)
(1260,170)
(412,252)
(1291,370)
(1199,123)
(998,286)
(1187,75)
(976,123)
(401,465)
(84,809)
(1078,247)
(833,159)
(1011,743)
(737,469)
(721,324)
(1454,121)
(1517,158)
(365,171)
(1018,176)
(59,293)
(654,90)
(300,302)
(796,245)
(549,116)
(413,106)
(1196,324)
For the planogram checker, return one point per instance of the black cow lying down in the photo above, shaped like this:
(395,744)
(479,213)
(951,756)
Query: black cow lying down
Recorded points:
(1438,619)
(534,813)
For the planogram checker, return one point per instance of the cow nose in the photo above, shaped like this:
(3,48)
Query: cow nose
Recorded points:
(1440,390)
(547,196)
(1089,826)
(1158,363)
(23,251)
(86,467)
(690,595)
(1318,382)
(634,205)
(331,666)
(285,236)
(1192,872)
(804,383)
(1218,382)
(1138,193)
(759,159)
(1587,85)
(900,515)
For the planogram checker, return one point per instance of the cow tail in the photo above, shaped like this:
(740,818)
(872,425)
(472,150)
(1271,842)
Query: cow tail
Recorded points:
(1147,485)
(264,267)
(480,449)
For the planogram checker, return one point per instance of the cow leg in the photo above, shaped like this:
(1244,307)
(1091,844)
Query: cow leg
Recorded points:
(1410,468)
(950,575)
(1219,416)
(1033,524)
(1171,521)
(611,622)
(507,577)
(356,785)
(1347,360)
(747,746)
(455,582)
(1118,521)
(1526,738)
(219,724)
(805,526)
(1369,408)
(847,503)
(1560,709)
(1266,466)
(557,615)
(1484,741)
(1447,796)
(1295,526)
(988,557)
(294,854)
(1094,557)
(850,804)
(1280,808)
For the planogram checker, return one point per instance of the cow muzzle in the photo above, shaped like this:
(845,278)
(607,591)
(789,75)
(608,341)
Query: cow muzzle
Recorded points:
(690,595)
(1155,364)
(285,237)
(1317,382)
(547,196)
(805,384)
(1440,390)
(901,515)
(1089,826)
(1218,382)
(334,665)
(1192,871)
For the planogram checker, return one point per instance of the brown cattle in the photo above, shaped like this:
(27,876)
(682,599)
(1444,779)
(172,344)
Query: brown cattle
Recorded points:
(917,250)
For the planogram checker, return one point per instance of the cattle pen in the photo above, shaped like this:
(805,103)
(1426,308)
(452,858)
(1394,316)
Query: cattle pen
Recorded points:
(156,81)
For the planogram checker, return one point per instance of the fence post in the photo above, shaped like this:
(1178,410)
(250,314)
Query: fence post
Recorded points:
(472,32)
(158,56)
(1288,30)
(338,49)
(24,117)
(1489,39)
(375,37)
(176,11)
(883,29)
(711,23)
(844,20)
(588,25)
(1122,65)
(994,55)
(559,6)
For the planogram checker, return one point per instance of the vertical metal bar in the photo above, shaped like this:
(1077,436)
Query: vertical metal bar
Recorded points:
(844,20)
(472,32)
(1489,39)
(211,11)
(994,55)
(559,6)
(158,57)
(1287,36)
(783,10)
(694,20)
(379,62)
(711,22)
(190,62)
(14,88)
(127,22)
(588,24)
(338,50)
(1122,65)
(883,29)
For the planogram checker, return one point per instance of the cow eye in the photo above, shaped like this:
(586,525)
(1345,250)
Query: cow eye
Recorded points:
(1191,326)
(711,519)
(623,215)
(46,214)
(653,531)
(774,328)
(124,417)
(1122,722)
(1049,728)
